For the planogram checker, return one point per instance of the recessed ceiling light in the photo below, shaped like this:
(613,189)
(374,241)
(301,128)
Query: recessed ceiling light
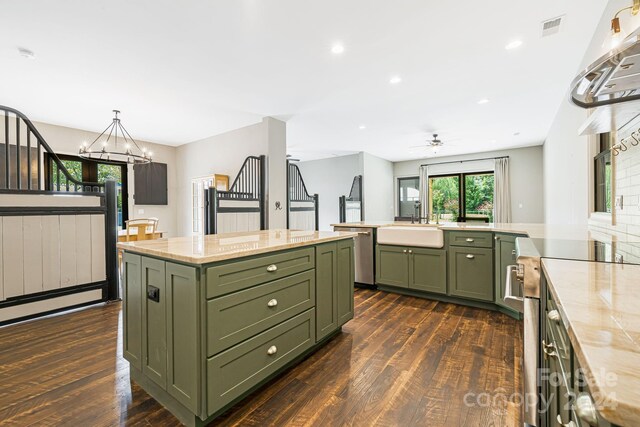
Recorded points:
(513,44)
(362,127)
(26,53)
(395,80)
(337,49)
(483,101)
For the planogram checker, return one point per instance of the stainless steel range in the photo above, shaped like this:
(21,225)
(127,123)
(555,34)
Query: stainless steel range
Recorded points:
(523,290)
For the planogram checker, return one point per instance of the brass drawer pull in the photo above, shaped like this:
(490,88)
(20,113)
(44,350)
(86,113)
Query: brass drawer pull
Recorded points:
(469,256)
(404,251)
(272,350)
(470,240)
(410,251)
(272,302)
(272,268)
(554,316)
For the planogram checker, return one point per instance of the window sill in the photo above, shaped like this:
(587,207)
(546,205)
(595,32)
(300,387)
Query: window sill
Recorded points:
(603,218)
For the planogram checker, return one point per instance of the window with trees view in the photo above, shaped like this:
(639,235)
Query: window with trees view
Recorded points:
(89,171)
(462,197)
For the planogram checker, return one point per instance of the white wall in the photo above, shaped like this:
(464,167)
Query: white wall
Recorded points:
(64,140)
(330,178)
(378,186)
(224,154)
(567,158)
(525,168)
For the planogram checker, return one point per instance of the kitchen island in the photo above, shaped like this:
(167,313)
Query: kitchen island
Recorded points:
(209,319)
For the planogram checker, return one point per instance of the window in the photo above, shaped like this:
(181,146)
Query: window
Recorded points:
(602,174)
(409,196)
(462,197)
(89,171)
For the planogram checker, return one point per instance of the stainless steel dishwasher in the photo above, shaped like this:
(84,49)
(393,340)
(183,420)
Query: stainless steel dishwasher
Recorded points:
(363,254)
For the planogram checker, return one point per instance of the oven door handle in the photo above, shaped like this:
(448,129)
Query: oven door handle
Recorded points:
(513,301)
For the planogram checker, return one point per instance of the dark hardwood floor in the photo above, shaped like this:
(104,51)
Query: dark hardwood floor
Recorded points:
(402,361)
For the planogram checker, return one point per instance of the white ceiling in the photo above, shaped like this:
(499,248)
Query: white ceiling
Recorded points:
(184,70)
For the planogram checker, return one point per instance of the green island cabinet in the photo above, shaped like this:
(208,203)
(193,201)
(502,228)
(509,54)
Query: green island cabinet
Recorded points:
(199,338)
(422,269)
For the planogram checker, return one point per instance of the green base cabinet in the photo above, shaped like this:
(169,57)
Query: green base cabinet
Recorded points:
(505,255)
(471,273)
(201,337)
(428,270)
(335,277)
(421,269)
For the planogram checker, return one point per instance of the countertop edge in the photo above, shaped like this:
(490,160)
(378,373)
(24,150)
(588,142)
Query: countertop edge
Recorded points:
(230,255)
(611,415)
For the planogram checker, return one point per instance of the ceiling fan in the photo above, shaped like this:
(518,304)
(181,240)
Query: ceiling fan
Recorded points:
(434,144)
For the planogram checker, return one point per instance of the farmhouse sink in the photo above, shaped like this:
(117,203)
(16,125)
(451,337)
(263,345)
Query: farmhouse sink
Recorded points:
(425,237)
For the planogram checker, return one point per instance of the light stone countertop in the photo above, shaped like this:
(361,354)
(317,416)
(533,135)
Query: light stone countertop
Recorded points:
(548,231)
(219,247)
(599,304)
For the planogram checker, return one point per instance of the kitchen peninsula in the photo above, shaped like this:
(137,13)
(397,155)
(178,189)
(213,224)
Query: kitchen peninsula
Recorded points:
(209,319)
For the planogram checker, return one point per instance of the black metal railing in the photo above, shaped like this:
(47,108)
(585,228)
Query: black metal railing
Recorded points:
(248,186)
(22,168)
(297,193)
(354,203)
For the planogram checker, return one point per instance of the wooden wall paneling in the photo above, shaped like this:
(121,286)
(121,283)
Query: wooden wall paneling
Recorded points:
(12,256)
(33,251)
(83,249)
(98,258)
(68,276)
(50,252)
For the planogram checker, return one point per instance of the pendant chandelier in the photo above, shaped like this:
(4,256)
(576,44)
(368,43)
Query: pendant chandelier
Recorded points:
(107,147)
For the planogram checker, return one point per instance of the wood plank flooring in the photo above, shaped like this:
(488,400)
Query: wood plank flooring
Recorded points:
(402,361)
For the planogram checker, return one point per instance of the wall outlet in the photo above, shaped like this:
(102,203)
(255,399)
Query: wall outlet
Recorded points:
(140,211)
(619,202)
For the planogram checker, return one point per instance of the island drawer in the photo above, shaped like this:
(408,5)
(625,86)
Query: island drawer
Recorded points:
(235,317)
(234,276)
(474,239)
(238,369)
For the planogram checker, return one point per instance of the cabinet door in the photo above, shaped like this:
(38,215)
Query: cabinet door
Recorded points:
(154,321)
(346,279)
(428,270)
(183,334)
(326,290)
(132,310)
(471,273)
(392,266)
(505,255)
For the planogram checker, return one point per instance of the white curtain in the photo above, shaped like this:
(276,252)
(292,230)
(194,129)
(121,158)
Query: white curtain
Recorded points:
(424,191)
(502,192)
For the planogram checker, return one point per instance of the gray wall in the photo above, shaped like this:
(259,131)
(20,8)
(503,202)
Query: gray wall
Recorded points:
(378,186)
(330,178)
(525,166)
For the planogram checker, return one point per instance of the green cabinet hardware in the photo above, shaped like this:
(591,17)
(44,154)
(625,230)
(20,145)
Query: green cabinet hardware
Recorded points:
(234,371)
(471,273)
(428,270)
(232,276)
(238,316)
(326,289)
(422,269)
(346,280)
(472,239)
(132,309)
(392,266)
(154,322)
(183,334)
